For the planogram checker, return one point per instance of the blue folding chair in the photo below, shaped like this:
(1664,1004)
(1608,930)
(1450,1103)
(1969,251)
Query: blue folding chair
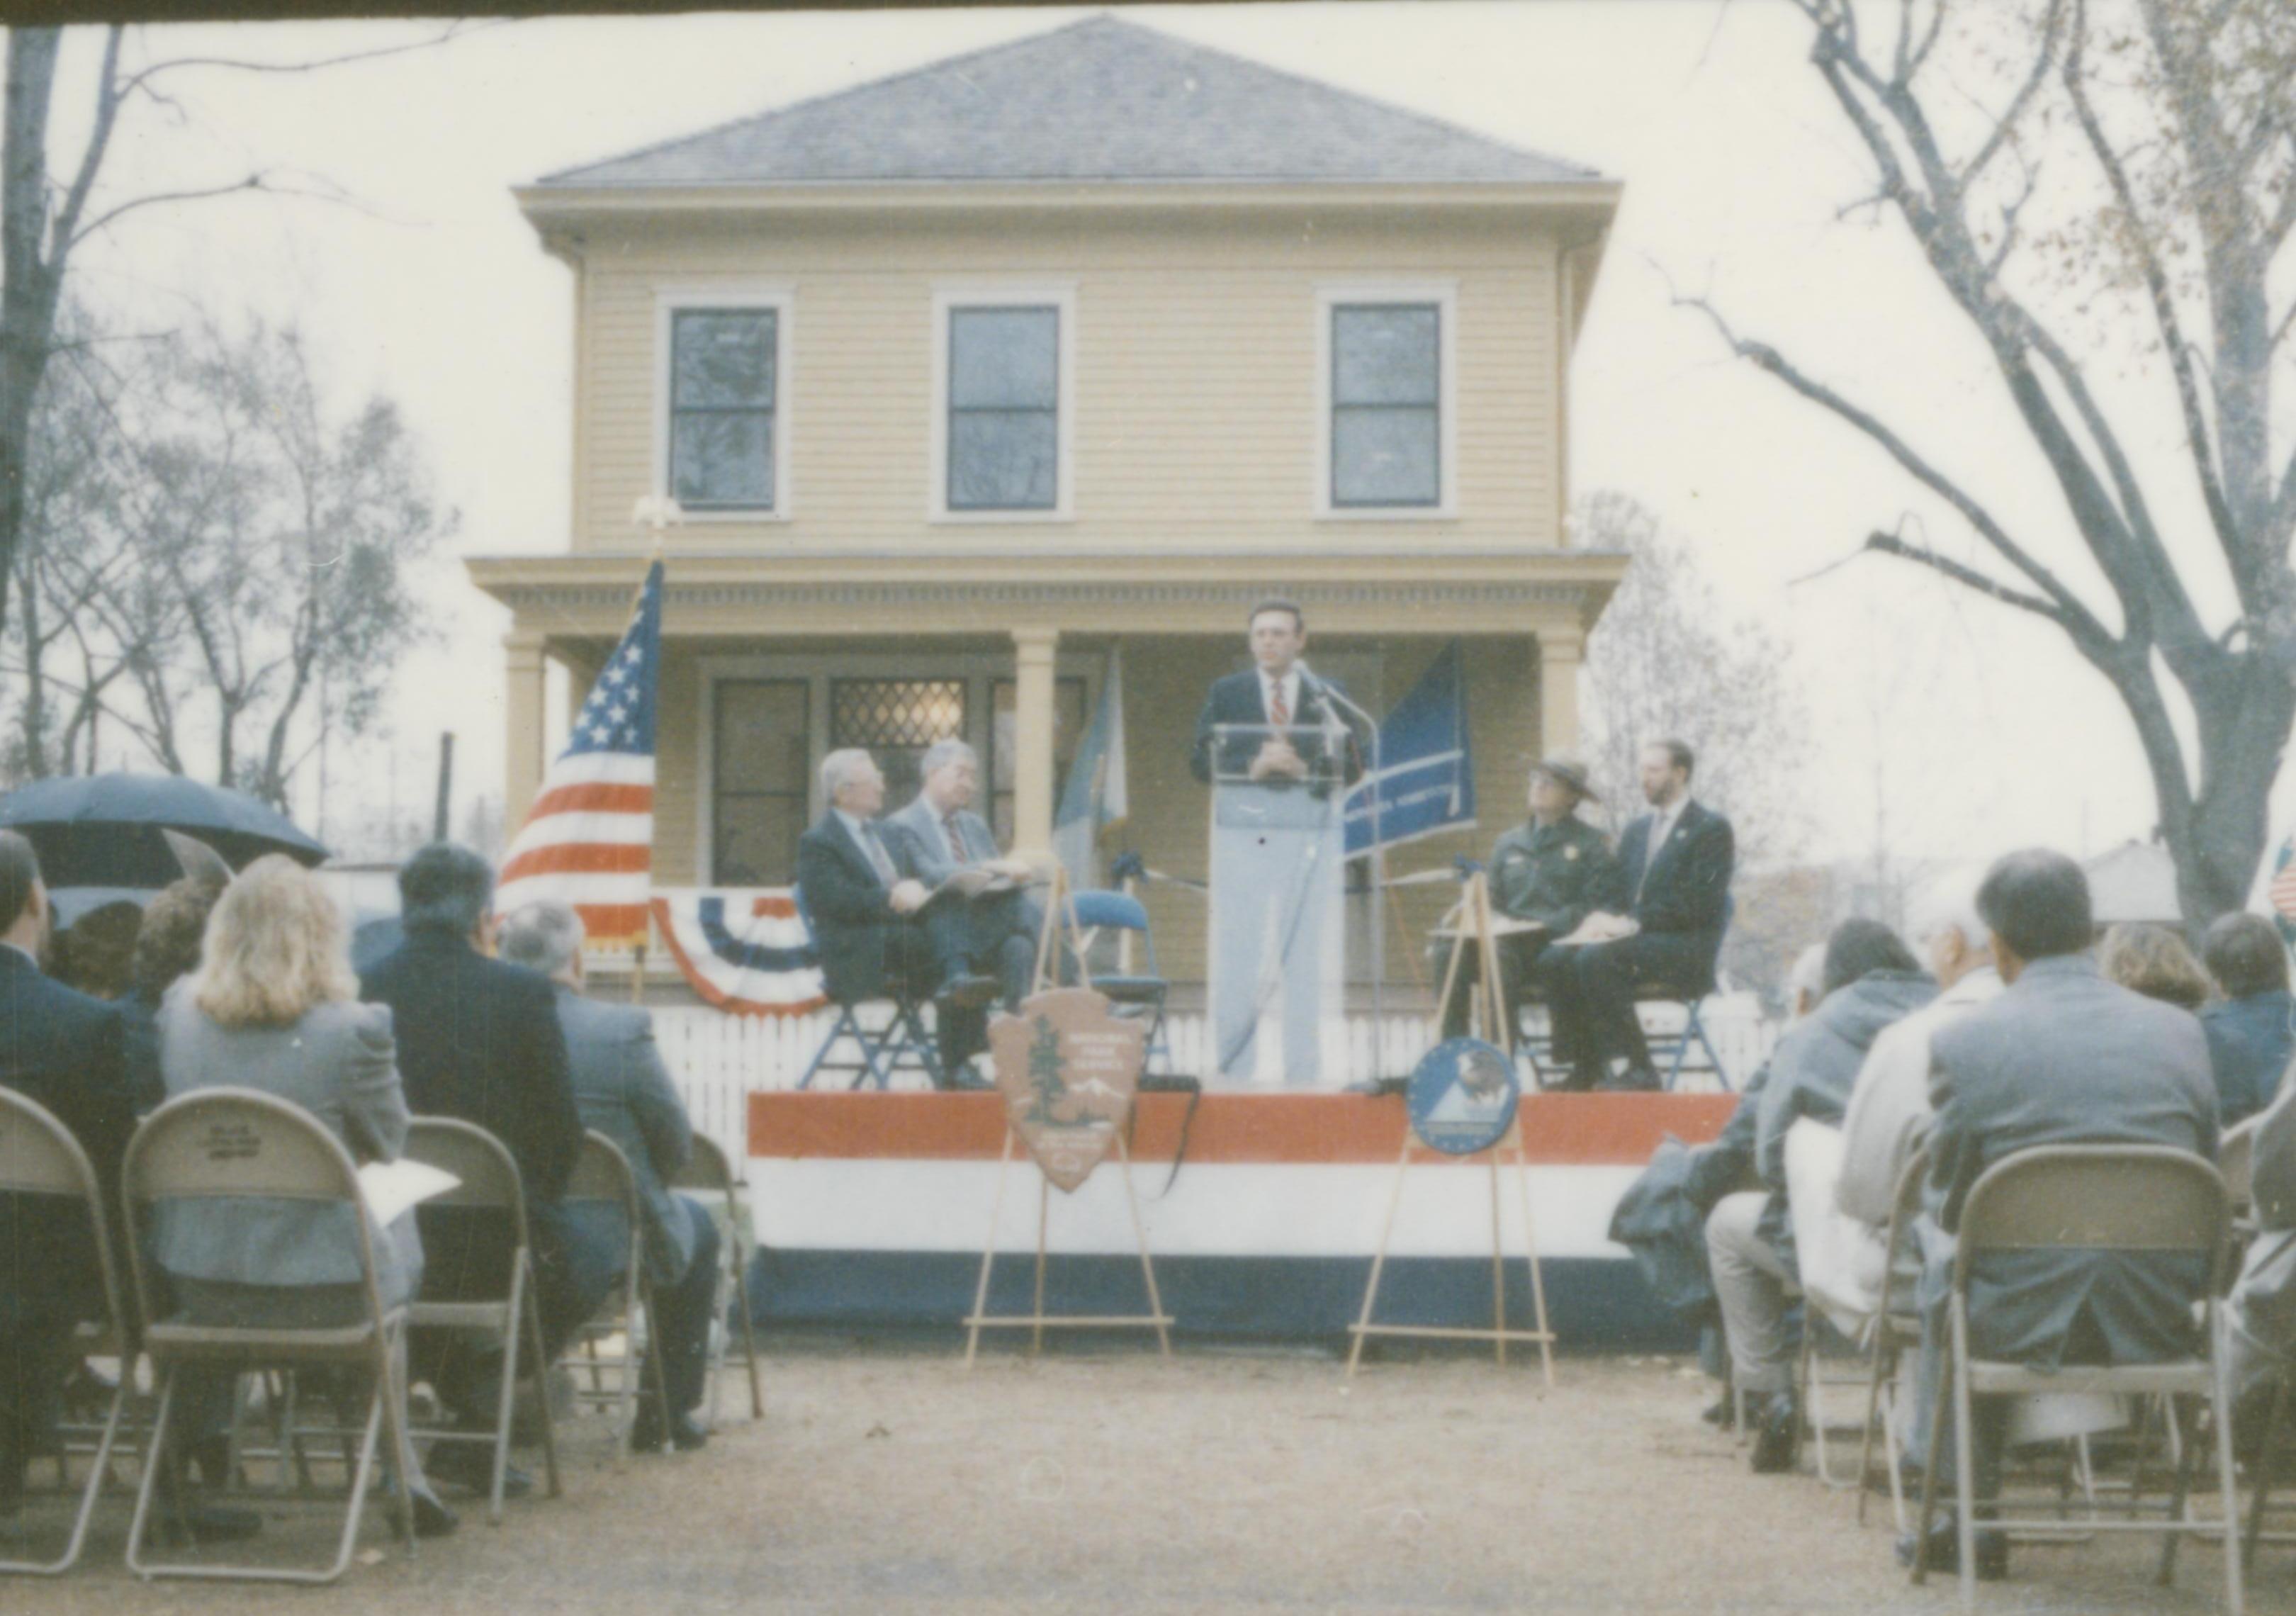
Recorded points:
(876,1053)
(1535,1044)
(1133,994)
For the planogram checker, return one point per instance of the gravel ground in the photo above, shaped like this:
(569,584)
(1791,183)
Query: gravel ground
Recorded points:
(892,1481)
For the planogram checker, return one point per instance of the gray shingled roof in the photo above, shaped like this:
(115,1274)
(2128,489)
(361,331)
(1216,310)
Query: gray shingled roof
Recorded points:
(1096,100)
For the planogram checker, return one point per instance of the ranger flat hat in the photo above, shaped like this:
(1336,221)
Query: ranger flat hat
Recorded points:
(1570,771)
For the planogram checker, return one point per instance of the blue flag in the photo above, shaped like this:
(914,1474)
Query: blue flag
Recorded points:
(1426,779)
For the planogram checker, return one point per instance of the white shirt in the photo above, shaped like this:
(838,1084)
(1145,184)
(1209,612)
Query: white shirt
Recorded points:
(1662,823)
(1290,684)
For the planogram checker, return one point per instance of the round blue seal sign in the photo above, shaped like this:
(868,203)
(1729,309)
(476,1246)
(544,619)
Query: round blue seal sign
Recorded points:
(1463,1097)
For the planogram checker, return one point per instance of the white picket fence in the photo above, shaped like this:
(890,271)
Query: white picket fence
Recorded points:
(718,1060)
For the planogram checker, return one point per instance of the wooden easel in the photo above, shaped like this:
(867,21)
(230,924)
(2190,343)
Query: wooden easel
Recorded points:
(1472,912)
(1059,917)
(1038,1321)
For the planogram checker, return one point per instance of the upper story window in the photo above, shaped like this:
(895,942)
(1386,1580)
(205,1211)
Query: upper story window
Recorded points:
(721,438)
(1002,438)
(1389,402)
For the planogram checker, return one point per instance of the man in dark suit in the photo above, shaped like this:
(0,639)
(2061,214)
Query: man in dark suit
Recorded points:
(872,922)
(1277,693)
(936,836)
(624,1092)
(479,1040)
(1661,931)
(2061,1057)
(66,1052)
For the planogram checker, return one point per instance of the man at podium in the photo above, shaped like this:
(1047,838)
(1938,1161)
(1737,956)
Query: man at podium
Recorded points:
(1279,748)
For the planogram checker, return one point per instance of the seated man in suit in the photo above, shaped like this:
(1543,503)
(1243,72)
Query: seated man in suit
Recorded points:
(624,1092)
(872,926)
(66,1052)
(1553,870)
(2060,1056)
(480,1040)
(2253,1032)
(936,836)
(1659,933)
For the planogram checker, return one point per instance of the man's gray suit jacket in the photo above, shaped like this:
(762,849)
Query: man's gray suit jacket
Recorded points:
(2064,1057)
(623,1091)
(919,827)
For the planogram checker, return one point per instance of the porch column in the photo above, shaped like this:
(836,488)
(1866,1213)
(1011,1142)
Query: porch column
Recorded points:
(1560,651)
(1032,741)
(523,696)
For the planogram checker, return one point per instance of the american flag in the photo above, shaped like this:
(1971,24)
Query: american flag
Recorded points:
(2282,893)
(588,839)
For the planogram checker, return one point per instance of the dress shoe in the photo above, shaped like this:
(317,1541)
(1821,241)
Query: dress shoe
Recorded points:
(471,1466)
(966,1078)
(433,1519)
(1722,1413)
(967,991)
(1778,1434)
(1633,1081)
(684,1435)
(205,1523)
(1945,1551)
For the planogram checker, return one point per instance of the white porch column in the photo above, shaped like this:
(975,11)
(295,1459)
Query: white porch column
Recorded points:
(524,694)
(1561,651)
(1032,740)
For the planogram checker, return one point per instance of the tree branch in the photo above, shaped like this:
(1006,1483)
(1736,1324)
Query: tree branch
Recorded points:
(253,182)
(1969,578)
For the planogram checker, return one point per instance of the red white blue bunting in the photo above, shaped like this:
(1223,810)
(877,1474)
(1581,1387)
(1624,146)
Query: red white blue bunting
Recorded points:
(746,951)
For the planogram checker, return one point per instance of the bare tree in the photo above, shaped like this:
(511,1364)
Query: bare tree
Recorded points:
(2107,152)
(46,216)
(1669,660)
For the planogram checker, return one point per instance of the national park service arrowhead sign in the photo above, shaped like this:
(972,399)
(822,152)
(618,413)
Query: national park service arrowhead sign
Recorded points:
(1068,1070)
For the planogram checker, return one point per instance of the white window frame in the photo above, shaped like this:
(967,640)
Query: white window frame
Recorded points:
(669,302)
(1062,297)
(1445,296)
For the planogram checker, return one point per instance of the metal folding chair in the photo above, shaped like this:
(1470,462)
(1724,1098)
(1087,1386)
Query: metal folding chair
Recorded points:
(489,1182)
(602,1173)
(2119,1198)
(38,1156)
(902,1043)
(230,1143)
(709,1171)
(1895,1333)
(1131,993)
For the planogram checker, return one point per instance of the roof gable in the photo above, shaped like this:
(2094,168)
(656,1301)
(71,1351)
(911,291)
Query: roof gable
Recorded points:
(1099,100)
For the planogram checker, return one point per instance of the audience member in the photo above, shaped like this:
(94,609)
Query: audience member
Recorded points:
(480,1040)
(167,949)
(2062,1057)
(2154,961)
(1659,930)
(2262,1310)
(65,1051)
(1552,870)
(93,953)
(275,1008)
(1870,981)
(624,1092)
(2253,1033)
(873,924)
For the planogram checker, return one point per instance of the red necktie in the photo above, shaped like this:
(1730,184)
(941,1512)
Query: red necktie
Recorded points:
(956,842)
(1279,712)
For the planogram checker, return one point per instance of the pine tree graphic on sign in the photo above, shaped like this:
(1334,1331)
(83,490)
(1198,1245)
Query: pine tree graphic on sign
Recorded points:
(1045,1072)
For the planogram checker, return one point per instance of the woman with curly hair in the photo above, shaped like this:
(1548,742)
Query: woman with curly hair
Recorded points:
(2154,961)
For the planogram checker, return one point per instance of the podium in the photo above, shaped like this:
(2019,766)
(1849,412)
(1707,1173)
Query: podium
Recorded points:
(1278,852)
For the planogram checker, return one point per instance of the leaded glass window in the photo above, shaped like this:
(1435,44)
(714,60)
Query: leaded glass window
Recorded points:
(895,720)
(1003,409)
(1386,405)
(724,374)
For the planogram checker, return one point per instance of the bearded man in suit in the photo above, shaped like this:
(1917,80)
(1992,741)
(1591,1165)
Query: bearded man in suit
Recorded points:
(1659,933)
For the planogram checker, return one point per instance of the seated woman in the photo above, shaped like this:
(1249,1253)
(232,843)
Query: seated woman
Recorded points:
(274,1007)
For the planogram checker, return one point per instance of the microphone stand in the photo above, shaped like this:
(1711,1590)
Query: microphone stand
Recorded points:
(1333,694)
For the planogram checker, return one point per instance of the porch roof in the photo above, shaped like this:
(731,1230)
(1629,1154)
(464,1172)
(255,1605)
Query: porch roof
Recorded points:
(798,593)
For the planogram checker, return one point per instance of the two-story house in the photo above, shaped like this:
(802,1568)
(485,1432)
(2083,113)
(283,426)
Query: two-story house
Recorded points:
(963,375)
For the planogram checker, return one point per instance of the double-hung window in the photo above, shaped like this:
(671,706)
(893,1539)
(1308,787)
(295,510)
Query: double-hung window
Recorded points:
(722,427)
(1003,433)
(1387,402)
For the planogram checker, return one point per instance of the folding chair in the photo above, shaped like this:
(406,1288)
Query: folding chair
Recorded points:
(2092,1197)
(1669,1046)
(711,1172)
(1132,994)
(902,1042)
(2236,1160)
(233,1142)
(38,1156)
(602,1173)
(489,1182)
(1895,1333)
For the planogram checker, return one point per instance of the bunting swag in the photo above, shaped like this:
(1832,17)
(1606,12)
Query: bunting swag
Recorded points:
(1426,778)
(747,953)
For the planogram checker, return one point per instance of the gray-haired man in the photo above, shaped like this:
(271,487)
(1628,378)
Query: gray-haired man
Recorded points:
(624,1092)
(940,835)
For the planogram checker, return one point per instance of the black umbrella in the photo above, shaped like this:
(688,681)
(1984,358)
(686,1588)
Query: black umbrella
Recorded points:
(105,829)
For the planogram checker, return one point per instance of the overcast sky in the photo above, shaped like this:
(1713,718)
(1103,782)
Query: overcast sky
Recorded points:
(1979,731)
